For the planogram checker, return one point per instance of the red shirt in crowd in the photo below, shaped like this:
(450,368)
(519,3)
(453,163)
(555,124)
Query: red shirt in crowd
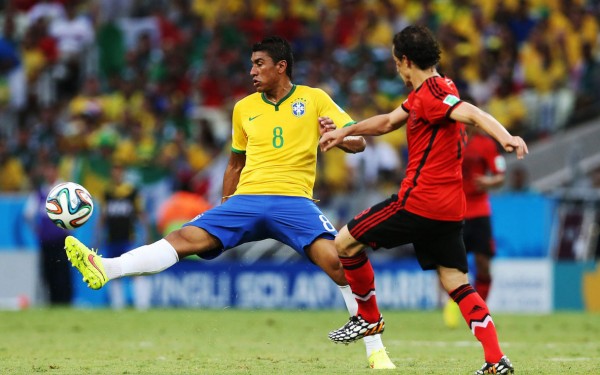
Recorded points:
(481,158)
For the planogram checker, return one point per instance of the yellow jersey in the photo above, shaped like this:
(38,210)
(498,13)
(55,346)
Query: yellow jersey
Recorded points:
(281,140)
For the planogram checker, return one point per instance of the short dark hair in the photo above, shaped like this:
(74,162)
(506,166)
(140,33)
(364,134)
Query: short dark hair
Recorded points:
(278,49)
(419,45)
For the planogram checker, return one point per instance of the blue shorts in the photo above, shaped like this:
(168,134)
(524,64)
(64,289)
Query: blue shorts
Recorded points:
(294,221)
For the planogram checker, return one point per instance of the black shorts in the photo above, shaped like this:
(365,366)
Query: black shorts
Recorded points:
(436,242)
(478,236)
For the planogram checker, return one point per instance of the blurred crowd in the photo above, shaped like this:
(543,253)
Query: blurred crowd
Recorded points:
(150,85)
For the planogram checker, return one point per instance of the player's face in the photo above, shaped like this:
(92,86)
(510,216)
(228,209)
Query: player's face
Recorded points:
(265,72)
(402,69)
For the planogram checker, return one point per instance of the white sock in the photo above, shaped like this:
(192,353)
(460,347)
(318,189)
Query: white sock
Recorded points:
(144,260)
(349,299)
(372,343)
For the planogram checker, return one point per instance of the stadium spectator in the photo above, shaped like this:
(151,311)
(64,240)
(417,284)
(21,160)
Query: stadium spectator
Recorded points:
(586,87)
(509,109)
(378,164)
(267,188)
(520,22)
(181,207)
(121,217)
(126,100)
(110,41)
(429,208)
(49,10)
(287,25)
(518,180)
(89,100)
(13,79)
(43,137)
(94,163)
(14,177)
(74,35)
(545,68)
(54,266)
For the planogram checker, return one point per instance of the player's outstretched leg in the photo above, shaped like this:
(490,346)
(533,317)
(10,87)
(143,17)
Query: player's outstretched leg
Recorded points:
(355,329)
(501,367)
(87,262)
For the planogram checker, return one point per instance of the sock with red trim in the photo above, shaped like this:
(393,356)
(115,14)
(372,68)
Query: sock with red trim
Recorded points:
(478,318)
(361,278)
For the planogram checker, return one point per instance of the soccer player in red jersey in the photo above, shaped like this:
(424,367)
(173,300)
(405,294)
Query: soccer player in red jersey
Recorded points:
(483,170)
(429,209)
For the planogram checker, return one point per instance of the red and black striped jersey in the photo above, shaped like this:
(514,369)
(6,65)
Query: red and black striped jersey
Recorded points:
(433,184)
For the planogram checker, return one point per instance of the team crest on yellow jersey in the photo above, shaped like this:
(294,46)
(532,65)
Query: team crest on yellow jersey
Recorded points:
(299,107)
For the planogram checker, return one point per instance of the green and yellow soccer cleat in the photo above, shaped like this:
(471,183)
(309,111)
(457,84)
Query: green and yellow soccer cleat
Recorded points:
(87,262)
(379,360)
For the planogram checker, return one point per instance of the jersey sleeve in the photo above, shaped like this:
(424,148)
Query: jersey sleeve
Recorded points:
(327,107)
(441,102)
(238,136)
(407,104)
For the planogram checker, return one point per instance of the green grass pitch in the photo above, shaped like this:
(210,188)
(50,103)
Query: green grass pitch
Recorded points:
(72,341)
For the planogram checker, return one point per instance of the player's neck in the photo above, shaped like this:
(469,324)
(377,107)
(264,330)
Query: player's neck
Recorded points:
(279,92)
(419,76)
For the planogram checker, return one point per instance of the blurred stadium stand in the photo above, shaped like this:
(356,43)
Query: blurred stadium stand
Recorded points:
(563,159)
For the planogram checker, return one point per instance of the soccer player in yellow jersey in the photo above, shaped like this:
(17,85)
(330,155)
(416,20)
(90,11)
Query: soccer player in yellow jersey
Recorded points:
(267,187)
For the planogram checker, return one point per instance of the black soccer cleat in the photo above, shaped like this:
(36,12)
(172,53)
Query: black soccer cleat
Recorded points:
(502,367)
(356,329)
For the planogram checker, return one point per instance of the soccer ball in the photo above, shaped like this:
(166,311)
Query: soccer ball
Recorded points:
(69,205)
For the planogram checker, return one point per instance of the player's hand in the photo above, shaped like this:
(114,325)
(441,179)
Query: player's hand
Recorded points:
(331,139)
(517,145)
(325,125)
(482,182)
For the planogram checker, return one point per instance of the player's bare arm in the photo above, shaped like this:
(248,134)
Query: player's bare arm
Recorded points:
(376,125)
(471,115)
(353,144)
(485,182)
(232,174)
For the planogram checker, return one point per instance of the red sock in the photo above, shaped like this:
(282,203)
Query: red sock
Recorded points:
(482,286)
(361,278)
(478,318)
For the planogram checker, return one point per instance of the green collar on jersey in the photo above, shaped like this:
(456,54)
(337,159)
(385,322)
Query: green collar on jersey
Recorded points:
(264,98)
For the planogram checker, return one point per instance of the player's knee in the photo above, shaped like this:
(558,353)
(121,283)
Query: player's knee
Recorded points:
(452,278)
(336,272)
(191,240)
(346,245)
